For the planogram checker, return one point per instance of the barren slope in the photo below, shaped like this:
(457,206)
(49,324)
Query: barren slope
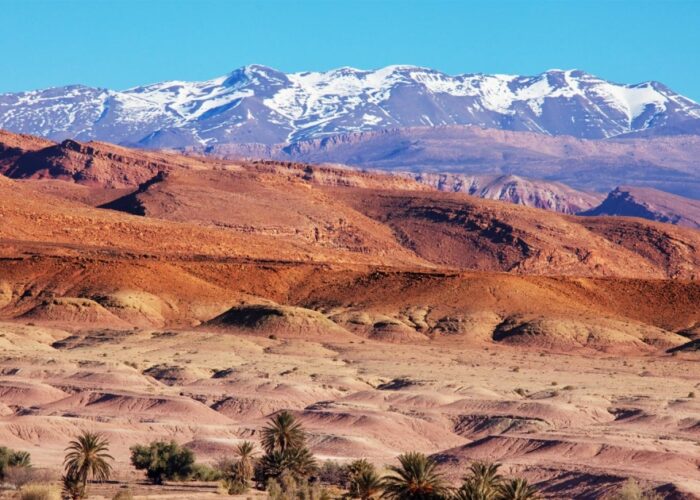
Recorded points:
(455,230)
(386,319)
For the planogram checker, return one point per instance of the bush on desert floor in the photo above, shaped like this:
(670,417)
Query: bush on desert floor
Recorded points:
(123,495)
(11,458)
(204,472)
(163,460)
(287,487)
(20,476)
(40,492)
(631,490)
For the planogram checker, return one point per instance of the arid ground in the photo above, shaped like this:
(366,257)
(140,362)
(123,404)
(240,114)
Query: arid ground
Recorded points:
(148,295)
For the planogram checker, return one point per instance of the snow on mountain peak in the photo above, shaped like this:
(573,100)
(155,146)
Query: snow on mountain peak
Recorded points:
(256,103)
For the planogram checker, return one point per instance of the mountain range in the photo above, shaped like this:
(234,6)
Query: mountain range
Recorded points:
(257,104)
(100,169)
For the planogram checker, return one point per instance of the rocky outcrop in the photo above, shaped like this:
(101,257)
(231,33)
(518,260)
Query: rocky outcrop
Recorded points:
(650,204)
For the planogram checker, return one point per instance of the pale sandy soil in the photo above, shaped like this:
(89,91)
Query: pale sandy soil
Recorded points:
(576,423)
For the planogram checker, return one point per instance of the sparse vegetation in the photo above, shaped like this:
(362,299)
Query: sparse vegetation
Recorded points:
(40,492)
(204,472)
(23,475)
(163,461)
(631,490)
(287,487)
(123,495)
(11,458)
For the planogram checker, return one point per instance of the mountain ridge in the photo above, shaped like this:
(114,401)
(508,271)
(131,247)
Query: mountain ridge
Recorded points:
(257,104)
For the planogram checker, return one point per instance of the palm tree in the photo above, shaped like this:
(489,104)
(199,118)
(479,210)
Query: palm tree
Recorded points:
(517,489)
(473,490)
(283,433)
(482,482)
(299,462)
(415,478)
(246,457)
(365,485)
(486,473)
(20,459)
(87,457)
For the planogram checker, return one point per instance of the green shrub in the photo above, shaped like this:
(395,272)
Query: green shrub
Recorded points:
(40,492)
(234,486)
(163,461)
(203,472)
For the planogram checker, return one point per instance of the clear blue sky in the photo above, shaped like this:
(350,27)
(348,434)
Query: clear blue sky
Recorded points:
(118,44)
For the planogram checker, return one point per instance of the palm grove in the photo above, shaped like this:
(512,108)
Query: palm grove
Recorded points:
(285,468)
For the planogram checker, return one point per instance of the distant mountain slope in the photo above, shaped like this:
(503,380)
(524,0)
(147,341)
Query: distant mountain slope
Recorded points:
(668,163)
(14,146)
(104,165)
(650,204)
(257,104)
(513,189)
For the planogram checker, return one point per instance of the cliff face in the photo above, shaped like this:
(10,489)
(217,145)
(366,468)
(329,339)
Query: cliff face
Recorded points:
(650,204)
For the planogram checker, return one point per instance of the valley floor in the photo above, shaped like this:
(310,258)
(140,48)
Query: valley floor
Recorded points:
(577,424)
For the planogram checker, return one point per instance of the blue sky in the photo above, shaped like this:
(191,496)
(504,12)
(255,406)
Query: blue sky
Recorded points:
(118,44)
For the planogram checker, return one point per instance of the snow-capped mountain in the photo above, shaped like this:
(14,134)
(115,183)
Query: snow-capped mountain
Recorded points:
(256,104)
